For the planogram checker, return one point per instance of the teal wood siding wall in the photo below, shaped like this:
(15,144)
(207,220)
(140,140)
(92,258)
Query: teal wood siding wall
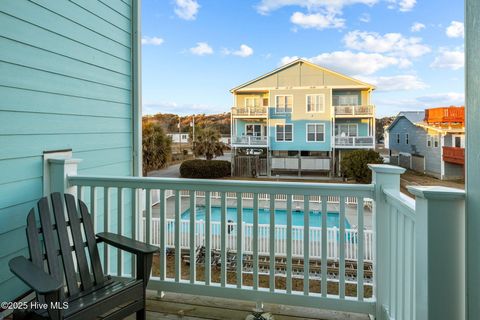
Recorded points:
(65,83)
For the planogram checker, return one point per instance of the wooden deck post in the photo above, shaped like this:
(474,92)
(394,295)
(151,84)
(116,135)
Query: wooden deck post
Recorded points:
(59,169)
(472,156)
(384,177)
(439,253)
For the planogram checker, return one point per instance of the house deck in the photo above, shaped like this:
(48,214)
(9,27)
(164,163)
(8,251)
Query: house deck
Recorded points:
(190,307)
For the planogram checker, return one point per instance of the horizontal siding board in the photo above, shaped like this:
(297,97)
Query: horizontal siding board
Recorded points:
(48,20)
(120,7)
(24,100)
(27,78)
(13,28)
(13,123)
(21,54)
(65,83)
(15,215)
(20,192)
(99,9)
(80,16)
(12,287)
(20,169)
(33,145)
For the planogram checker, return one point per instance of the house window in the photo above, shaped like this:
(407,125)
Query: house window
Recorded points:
(435,141)
(345,100)
(407,141)
(315,103)
(283,103)
(346,130)
(315,132)
(252,102)
(398,138)
(429,141)
(255,130)
(284,132)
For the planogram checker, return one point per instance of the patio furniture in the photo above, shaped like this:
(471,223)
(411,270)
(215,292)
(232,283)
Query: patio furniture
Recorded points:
(57,285)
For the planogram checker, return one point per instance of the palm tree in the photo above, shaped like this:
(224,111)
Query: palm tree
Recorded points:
(207,143)
(157,147)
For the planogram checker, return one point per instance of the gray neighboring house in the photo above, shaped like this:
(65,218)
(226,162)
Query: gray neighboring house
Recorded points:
(436,150)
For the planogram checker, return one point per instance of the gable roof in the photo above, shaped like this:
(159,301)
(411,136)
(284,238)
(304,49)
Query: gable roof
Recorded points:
(367,85)
(414,117)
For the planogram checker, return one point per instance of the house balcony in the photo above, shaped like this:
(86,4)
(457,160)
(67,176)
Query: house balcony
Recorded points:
(250,112)
(354,142)
(249,141)
(445,115)
(239,240)
(454,155)
(354,111)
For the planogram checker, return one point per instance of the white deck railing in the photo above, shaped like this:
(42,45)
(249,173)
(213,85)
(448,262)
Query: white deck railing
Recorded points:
(416,247)
(315,245)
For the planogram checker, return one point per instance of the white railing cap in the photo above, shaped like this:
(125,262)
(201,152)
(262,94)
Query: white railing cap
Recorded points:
(436,192)
(386,168)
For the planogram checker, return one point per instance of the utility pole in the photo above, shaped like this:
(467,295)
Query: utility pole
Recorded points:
(193,135)
(180,137)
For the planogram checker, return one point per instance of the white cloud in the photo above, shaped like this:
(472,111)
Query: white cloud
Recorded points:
(187,9)
(267,6)
(406,5)
(317,20)
(350,63)
(443,99)
(201,49)
(244,51)
(365,17)
(396,83)
(456,29)
(154,41)
(417,26)
(449,60)
(402,5)
(392,43)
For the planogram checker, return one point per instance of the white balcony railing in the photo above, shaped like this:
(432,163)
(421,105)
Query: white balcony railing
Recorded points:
(354,142)
(414,247)
(250,111)
(250,141)
(367,110)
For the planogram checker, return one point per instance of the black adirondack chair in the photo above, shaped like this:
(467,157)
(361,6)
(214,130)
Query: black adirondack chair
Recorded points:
(50,271)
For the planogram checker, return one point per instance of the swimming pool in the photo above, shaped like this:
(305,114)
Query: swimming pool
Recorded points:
(333,218)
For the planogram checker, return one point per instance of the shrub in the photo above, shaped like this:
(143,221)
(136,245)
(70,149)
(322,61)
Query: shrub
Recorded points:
(205,169)
(157,147)
(355,164)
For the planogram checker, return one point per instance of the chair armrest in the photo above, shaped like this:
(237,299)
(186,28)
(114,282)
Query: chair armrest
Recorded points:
(126,244)
(33,276)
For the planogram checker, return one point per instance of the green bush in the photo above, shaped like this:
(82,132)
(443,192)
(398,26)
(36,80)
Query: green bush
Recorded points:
(355,164)
(205,169)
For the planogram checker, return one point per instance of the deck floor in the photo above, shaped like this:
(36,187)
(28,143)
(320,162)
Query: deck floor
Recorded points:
(189,307)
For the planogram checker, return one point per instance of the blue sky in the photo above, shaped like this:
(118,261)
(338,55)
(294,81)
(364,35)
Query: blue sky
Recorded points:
(195,51)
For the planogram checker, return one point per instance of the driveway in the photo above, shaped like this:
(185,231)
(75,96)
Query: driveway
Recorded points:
(173,171)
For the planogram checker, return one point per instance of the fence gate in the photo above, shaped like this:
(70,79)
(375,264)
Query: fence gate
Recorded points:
(249,166)
(418,163)
(404,161)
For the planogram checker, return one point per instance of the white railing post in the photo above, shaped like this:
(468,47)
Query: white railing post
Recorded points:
(383,177)
(439,253)
(58,170)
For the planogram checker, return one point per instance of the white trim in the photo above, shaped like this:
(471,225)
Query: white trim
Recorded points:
(251,97)
(284,124)
(315,124)
(442,163)
(275,105)
(255,124)
(322,110)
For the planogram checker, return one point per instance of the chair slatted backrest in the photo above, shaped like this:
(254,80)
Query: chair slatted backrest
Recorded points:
(56,248)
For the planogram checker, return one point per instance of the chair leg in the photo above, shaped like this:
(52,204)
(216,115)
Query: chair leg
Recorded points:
(142,314)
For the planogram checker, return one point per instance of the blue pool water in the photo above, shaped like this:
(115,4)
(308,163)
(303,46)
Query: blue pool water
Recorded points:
(264,216)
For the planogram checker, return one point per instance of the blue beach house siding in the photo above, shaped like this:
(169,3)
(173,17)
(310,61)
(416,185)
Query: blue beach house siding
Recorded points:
(68,81)
(300,137)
